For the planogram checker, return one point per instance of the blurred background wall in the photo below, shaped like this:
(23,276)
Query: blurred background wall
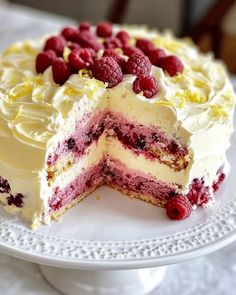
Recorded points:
(211,23)
(155,13)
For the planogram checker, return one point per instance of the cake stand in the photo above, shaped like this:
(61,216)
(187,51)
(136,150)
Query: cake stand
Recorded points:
(111,244)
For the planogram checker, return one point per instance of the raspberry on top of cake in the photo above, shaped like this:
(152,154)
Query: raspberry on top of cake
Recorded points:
(141,111)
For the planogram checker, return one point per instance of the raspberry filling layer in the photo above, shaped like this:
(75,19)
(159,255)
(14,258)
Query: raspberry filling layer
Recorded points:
(118,175)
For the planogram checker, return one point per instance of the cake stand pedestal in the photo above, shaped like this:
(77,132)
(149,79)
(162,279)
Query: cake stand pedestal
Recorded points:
(111,244)
(85,282)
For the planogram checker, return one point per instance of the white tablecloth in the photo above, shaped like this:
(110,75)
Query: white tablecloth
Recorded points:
(214,274)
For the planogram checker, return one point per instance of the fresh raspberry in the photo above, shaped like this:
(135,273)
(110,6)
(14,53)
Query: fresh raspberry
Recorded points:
(89,40)
(199,194)
(123,36)
(44,60)
(104,29)
(93,52)
(112,43)
(129,50)
(178,207)
(4,186)
(80,58)
(113,53)
(84,26)
(172,65)
(61,71)
(217,183)
(145,45)
(107,70)
(73,46)
(147,84)
(155,56)
(17,200)
(70,34)
(138,64)
(55,43)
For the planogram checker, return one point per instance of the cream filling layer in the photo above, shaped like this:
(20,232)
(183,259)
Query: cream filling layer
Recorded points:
(207,166)
(94,154)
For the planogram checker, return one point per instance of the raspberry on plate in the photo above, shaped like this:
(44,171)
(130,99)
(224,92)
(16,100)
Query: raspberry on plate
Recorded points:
(55,43)
(106,69)
(171,64)
(138,64)
(61,71)
(104,29)
(178,208)
(44,60)
(147,84)
(145,45)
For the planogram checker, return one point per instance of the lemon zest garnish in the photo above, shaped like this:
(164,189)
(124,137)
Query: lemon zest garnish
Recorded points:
(165,103)
(83,73)
(190,96)
(66,53)
(119,50)
(218,111)
(194,97)
(70,91)
(177,78)
(200,83)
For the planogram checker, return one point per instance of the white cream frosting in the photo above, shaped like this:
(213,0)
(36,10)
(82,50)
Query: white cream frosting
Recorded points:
(36,113)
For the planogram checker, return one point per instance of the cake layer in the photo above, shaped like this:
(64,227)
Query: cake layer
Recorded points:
(115,136)
(134,183)
(119,175)
(83,182)
(113,173)
(151,141)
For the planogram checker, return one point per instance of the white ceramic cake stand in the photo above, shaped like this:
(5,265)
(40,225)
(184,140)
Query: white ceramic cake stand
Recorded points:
(110,244)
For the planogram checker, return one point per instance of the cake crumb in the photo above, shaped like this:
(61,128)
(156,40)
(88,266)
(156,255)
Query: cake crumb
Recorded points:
(98,197)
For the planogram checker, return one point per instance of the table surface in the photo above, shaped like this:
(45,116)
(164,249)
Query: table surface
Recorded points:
(212,275)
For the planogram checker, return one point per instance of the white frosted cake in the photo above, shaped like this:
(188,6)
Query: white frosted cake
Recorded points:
(143,112)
